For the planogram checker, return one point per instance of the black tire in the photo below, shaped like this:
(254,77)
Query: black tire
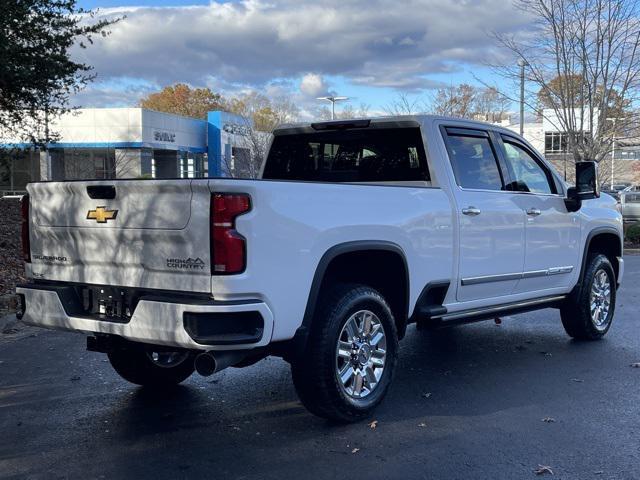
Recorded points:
(315,373)
(576,314)
(134,363)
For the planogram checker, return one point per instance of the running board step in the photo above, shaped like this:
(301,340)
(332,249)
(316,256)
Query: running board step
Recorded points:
(478,314)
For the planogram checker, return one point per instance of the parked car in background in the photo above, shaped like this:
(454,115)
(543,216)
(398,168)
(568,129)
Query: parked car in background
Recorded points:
(630,206)
(614,190)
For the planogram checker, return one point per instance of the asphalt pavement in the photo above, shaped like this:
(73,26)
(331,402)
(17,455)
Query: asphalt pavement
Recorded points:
(481,401)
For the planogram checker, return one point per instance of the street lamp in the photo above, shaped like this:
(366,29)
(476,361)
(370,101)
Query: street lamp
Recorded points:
(333,99)
(522,63)
(613,145)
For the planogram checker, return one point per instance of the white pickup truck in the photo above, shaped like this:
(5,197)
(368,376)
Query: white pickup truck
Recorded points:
(355,230)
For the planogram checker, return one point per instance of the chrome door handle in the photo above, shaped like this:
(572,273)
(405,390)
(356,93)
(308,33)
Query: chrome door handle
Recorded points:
(471,211)
(533,212)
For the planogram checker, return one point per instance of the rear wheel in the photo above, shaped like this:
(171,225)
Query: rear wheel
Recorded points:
(351,354)
(144,365)
(587,314)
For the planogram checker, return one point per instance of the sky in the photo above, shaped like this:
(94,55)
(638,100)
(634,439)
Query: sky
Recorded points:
(368,50)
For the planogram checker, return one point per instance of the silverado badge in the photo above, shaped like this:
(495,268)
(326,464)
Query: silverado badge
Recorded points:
(102,214)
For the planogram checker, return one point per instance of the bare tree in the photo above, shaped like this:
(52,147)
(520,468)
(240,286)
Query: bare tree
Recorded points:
(490,105)
(455,101)
(583,58)
(264,113)
(248,156)
(260,116)
(404,104)
(349,111)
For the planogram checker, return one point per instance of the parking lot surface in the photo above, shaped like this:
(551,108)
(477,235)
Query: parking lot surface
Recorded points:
(478,401)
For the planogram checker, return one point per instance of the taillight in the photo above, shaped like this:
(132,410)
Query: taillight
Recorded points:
(228,247)
(24,233)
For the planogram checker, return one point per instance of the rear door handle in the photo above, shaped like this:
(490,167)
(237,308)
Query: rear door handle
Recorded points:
(533,212)
(471,211)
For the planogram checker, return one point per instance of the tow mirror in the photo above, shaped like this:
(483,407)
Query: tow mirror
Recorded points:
(586,188)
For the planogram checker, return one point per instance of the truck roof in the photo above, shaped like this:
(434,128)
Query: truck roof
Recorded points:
(397,121)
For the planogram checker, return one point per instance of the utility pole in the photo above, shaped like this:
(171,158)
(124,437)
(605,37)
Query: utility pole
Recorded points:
(333,99)
(522,64)
(613,146)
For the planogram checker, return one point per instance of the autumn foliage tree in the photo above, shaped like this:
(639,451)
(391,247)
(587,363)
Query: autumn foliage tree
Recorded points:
(549,95)
(181,99)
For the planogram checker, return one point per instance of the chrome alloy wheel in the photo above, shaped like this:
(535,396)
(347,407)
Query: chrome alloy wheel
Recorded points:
(167,359)
(360,354)
(600,299)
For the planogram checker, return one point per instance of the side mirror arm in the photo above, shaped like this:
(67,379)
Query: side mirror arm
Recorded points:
(573,202)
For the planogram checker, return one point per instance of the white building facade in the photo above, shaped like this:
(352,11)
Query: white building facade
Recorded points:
(101,143)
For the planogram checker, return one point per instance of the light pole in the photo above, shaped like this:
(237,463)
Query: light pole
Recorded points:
(522,64)
(333,99)
(613,146)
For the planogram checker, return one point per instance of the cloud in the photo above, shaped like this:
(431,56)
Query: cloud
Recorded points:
(115,92)
(253,43)
(313,85)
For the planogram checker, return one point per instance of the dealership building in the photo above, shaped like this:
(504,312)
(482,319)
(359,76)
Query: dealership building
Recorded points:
(107,143)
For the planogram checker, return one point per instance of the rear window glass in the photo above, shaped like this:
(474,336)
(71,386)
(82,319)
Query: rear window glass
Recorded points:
(368,155)
(474,163)
(632,198)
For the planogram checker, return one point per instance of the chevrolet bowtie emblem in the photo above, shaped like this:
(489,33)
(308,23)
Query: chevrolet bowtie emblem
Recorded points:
(102,214)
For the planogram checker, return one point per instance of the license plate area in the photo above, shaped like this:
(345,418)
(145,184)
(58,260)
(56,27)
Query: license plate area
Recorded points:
(108,303)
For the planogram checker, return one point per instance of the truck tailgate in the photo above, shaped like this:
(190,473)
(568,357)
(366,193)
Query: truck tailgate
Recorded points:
(133,233)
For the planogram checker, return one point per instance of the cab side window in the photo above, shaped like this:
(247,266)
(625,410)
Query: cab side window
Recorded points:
(527,173)
(473,160)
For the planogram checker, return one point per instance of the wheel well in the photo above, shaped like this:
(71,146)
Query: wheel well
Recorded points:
(607,244)
(384,270)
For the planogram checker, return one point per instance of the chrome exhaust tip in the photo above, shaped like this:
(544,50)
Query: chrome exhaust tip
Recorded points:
(205,364)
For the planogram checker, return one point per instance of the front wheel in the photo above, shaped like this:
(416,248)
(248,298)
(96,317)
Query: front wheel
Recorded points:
(587,314)
(351,354)
(143,365)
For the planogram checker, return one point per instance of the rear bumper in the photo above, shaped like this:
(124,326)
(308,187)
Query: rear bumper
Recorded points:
(154,321)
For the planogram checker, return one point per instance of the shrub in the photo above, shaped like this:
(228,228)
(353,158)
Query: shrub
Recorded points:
(633,233)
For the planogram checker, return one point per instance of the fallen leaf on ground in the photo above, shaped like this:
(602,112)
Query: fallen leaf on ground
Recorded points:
(542,469)
(426,395)
(75,379)
(577,380)
(422,425)
(373,424)
(635,365)
(548,419)
(355,450)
